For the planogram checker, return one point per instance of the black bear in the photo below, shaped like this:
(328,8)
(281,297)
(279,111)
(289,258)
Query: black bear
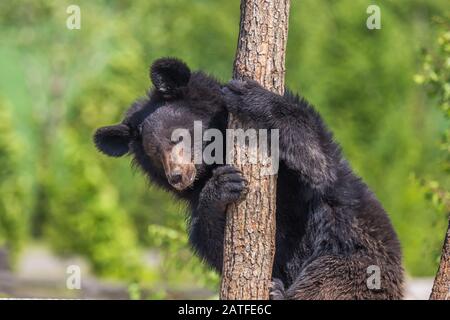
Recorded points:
(333,238)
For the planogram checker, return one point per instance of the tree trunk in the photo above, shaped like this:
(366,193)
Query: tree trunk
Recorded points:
(249,244)
(441,286)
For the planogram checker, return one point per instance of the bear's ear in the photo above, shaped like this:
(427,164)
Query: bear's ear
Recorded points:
(113,140)
(169,75)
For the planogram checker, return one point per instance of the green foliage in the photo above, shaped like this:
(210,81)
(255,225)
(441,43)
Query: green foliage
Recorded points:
(178,262)
(14,186)
(435,76)
(58,85)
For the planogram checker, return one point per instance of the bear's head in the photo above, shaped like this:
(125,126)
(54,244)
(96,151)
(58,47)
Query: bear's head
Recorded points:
(159,130)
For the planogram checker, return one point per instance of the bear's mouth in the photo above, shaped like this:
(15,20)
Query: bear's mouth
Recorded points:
(187,180)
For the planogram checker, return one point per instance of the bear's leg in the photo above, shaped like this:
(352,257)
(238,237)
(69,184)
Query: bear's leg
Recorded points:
(342,278)
(305,146)
(207,224)
(346,262)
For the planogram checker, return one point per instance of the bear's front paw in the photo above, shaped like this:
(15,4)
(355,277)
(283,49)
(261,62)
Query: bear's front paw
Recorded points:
(229,184)
(277,290)
(248,101)
(240,87)
(233,100)
(234,94)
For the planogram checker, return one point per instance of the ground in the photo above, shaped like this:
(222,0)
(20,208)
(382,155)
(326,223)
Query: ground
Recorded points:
(40,274)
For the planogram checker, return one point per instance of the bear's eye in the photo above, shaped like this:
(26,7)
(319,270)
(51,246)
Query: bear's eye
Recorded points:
(177,140)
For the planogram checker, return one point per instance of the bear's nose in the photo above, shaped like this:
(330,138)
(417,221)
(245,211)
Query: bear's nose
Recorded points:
(175,178)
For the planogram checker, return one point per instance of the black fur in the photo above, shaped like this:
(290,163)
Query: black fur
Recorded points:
(170,76)
(330,226)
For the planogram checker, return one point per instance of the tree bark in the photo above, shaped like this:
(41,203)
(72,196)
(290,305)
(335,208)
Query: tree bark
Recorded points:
(249,244)
(441,286)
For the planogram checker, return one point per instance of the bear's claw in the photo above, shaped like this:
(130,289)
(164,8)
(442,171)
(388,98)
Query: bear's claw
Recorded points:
(277,291)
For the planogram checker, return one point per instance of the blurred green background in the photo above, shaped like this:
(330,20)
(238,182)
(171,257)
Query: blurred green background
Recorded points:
(57,85)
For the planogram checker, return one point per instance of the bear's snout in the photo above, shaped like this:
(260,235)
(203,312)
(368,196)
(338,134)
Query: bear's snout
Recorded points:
(175,178)
(180,171)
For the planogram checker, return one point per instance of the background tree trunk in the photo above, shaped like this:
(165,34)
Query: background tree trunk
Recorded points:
(441,286)
(250,229)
